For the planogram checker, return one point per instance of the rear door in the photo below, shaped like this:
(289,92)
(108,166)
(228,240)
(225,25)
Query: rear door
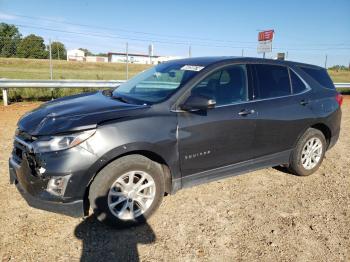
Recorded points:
(282,113)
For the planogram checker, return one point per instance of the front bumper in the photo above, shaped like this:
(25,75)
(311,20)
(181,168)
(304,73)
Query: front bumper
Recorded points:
(33,190)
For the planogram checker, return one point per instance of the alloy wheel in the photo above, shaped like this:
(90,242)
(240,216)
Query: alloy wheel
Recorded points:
(131,195)
(311,153)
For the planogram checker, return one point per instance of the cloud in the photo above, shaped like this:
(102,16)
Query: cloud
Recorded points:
(5,16)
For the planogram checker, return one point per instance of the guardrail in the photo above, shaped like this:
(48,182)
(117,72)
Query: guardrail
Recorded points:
(342,85)
(5,84)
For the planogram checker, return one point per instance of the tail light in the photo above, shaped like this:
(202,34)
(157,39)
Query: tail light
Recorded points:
(339,99)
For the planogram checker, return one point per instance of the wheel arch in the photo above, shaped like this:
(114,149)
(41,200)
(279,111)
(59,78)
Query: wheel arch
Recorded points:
(326,131)
(156,157)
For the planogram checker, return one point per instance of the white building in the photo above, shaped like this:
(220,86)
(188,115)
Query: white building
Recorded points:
(162,59)
(79,55)
(99,59)
(75,55)
(138,58)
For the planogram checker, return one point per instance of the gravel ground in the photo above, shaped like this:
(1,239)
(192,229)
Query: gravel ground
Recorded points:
(266,215)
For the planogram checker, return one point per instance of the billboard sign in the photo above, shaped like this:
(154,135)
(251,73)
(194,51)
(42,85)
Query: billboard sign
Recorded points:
(266,35)
(265,41)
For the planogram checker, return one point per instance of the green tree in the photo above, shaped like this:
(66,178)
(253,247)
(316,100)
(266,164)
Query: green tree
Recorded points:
(10,37)
(32,46)
(58,51)
(86,51)
(339,67)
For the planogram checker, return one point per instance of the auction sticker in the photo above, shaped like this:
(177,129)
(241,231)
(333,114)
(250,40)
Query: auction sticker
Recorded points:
(192,68)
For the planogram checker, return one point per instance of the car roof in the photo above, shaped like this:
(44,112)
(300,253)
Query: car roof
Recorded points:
(211,60)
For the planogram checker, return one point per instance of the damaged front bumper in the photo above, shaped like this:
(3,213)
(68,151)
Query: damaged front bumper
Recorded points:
(52,181)
(35,194)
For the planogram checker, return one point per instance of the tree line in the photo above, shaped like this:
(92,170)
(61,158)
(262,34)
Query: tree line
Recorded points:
(13,44)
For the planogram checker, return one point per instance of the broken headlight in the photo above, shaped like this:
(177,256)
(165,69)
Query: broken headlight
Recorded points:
(57,143)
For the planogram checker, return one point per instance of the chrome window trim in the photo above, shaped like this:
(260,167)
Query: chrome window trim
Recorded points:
(302,80)
(307,89)
(263,99)
(290,82)
(245,102)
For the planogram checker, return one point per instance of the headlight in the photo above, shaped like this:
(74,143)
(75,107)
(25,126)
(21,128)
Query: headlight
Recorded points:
(56,143)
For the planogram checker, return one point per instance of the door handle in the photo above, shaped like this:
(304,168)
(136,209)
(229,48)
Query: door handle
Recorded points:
(246,112)
(304,102)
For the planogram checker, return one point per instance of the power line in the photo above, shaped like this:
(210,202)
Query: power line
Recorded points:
(131,31)
(172,36)
(96,34)
(124,37)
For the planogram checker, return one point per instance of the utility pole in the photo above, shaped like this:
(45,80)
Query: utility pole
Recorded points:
(242,52)
(150,53)
(58,51)
(127,60)
(325,62)
(286,55)
(4,96)
(189,51)
(50,53)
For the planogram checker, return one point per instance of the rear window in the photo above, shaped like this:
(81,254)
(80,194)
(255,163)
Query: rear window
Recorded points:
(319,75)
(271,81)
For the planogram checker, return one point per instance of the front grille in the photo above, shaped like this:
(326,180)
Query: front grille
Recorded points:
(22,139)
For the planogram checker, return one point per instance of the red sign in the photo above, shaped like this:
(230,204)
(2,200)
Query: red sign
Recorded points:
(266,35)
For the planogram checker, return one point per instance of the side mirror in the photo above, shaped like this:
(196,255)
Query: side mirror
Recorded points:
(198,102)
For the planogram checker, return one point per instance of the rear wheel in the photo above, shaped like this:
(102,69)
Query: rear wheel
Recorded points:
(308,153)
(127,191)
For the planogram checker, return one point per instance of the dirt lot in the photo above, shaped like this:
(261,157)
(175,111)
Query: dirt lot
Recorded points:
(266,215)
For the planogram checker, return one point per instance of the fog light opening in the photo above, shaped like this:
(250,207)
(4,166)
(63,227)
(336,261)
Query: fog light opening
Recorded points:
(57,185)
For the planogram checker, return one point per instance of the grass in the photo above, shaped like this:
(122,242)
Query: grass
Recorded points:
(344,91)
(17,68)
(340,76)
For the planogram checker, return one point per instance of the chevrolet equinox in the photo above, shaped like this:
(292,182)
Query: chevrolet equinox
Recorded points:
(178,124)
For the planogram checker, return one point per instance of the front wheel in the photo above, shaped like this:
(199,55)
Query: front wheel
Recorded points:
(127,191)
(308,153)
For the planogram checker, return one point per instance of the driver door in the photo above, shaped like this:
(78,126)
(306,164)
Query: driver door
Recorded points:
(223,135)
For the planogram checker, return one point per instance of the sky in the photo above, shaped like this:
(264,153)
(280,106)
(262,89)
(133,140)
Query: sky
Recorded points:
(308,30)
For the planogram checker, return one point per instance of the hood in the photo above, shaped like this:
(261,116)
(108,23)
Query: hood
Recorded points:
(73,113)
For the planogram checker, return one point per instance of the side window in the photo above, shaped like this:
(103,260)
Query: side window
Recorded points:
(298,85)
(319,75)
(271,81)
(226,86)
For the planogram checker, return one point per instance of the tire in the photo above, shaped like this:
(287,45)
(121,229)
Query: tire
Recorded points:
(299,160)
(113,184)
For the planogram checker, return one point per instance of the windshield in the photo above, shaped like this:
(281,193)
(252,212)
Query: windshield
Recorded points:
(156,84)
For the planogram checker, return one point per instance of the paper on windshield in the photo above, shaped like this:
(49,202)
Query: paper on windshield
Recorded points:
(192,68)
